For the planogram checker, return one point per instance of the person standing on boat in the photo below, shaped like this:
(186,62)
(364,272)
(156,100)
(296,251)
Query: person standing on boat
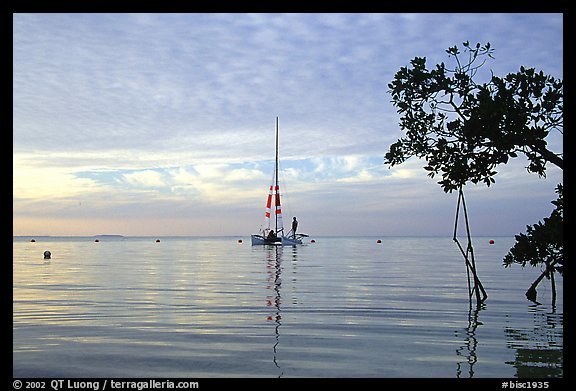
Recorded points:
(294,227)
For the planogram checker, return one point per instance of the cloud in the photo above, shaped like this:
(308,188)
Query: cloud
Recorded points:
(146,178)
(174,114)
(38,182)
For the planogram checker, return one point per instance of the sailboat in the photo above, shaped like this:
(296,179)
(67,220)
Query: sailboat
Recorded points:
(275,236)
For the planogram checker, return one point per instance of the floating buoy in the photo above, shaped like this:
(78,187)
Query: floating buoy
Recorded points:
(312,241)
(157,240)
(47,254)
(491,241)
(378,241)
(33,241)
(239,240)
(96,240)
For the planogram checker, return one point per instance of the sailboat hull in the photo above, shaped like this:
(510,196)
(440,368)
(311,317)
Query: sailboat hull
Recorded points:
(286,241)
(292,240)
(258,240)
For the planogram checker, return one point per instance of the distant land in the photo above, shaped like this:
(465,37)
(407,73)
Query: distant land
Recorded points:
(108,236)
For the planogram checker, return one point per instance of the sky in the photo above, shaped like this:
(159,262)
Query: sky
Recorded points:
(163,124)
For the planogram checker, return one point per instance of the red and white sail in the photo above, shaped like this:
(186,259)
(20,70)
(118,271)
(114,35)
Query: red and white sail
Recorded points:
(274,194)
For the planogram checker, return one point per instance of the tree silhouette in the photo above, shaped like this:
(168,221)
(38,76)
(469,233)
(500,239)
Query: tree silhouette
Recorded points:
(464,129)
(543,243)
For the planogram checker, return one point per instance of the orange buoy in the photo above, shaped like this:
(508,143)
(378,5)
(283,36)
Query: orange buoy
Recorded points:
(491,241)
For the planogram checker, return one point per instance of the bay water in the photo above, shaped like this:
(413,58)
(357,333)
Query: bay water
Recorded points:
(217,307)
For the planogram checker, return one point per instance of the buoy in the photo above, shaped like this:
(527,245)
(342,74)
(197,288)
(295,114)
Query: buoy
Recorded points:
(378,241)
(96,240)
(157,240)
(491,241)
(47,254)
(239,240)
(33,241)
(312,241)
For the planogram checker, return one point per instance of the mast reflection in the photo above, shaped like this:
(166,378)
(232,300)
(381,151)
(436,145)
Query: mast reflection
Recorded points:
(274,270)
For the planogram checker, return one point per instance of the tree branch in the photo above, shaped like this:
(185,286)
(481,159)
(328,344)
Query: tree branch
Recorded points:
(549,156)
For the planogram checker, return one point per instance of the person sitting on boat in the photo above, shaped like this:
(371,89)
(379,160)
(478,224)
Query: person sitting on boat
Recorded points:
(294,227)
(272,235)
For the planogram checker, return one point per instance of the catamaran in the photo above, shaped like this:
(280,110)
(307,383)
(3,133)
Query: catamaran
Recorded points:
(275,236)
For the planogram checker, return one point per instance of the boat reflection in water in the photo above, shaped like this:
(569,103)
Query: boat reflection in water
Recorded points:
(274,258)
(274,271)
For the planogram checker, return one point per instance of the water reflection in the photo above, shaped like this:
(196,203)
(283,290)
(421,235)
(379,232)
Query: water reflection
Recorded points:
(538,350)
(274,256)
(468,350)
(346,307)
(274,270)
(538,347)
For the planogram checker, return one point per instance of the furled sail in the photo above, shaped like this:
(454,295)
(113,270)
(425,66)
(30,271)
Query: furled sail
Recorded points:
(279,224)
(269,208)
(274,193)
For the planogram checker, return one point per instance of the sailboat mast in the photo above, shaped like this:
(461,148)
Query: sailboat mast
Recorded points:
(276,178)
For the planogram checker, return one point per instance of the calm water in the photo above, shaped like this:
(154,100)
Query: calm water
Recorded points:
(214,307)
